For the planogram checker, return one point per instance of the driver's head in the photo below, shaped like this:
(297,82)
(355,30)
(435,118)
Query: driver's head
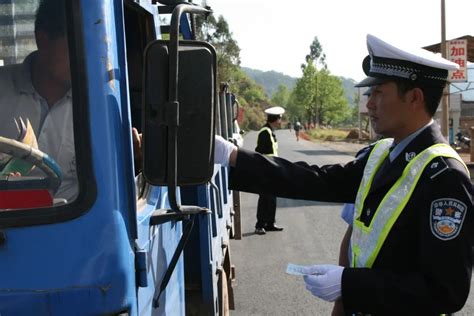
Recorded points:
(51,39)
(51,18)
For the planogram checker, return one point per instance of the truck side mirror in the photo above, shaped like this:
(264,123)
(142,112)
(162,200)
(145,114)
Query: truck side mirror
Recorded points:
(192,116)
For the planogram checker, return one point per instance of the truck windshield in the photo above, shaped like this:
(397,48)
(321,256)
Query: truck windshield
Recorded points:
(36,107)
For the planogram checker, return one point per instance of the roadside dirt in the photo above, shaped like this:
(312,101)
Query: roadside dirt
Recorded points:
(466,157)
(350,148)
(353,147)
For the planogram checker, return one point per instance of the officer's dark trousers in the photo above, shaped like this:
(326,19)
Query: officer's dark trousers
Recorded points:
(266,210)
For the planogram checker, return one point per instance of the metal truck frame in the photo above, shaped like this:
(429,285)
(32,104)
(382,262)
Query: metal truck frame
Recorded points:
(131,243)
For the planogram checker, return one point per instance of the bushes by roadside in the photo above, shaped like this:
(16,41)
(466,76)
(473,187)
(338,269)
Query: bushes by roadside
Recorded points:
(334,135)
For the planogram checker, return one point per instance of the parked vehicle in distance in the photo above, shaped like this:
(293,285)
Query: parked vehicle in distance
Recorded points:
(462,141)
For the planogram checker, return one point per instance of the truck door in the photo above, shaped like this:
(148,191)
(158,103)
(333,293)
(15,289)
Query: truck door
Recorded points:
(155,244)
(63,238)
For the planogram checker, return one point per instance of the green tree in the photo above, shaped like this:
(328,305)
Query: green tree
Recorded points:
(316,55)
(251,96)
(294,110)
(353,120)
(303,95)
(333,107)
(246,88)
(281,96)
(217,33)
(320,96)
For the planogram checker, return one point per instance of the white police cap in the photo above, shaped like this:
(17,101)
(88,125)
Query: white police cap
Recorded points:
(275,110)
(387,62)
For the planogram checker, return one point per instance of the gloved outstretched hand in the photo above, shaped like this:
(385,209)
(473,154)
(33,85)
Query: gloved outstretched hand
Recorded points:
(324,281)
(222,151)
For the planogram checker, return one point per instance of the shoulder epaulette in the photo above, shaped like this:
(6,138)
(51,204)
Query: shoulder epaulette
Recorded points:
(436,167)
(364,151)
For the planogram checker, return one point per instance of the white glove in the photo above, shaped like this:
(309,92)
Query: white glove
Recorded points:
(222,151)
(324,281)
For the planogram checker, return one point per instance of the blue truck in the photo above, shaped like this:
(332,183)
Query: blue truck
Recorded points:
(144,232)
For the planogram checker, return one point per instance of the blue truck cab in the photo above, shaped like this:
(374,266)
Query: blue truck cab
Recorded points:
(96,219)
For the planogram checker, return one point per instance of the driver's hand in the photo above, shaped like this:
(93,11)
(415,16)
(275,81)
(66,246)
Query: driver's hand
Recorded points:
(137,149)
(14,174)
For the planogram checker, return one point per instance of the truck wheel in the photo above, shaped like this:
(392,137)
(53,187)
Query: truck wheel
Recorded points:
(223,294)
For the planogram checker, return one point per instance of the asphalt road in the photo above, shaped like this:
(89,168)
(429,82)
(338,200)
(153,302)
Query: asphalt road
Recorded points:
(312,235)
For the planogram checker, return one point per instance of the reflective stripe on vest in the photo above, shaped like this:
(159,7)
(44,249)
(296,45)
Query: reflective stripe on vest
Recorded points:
(367,241)
(274,143)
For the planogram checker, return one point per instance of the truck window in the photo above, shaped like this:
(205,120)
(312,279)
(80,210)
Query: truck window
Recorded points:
(36,108)
(139,31)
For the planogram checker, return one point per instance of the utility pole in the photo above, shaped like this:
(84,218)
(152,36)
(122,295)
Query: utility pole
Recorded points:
(358,116)
(445,98)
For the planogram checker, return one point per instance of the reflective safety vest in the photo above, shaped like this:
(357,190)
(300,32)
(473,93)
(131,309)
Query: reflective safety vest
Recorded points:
(274,142)
(366,242)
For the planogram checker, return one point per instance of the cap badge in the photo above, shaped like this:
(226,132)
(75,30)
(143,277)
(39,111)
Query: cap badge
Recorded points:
(389,62)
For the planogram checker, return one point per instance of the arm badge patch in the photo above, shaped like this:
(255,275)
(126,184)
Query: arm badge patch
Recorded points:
(446,218)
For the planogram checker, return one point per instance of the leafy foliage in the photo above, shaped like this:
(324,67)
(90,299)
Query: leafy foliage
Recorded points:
(270,80)
(316,54)
(333,107)
(217,33)
(281,96)
(328,134)
(251,96)
(317,97)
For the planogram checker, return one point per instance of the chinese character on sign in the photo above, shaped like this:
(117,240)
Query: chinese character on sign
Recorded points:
(457,53)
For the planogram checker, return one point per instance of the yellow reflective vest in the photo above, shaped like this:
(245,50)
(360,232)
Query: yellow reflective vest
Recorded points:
(274,142)
(366,242)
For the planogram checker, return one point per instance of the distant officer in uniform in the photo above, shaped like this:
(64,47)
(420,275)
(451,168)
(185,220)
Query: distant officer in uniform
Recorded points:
(413,224)
(267,145)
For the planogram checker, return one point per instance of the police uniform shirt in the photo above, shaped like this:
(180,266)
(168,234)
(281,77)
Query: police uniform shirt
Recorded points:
(52,125)
(417,271)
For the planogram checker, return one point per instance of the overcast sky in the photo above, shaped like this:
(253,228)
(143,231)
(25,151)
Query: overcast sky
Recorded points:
(276,34)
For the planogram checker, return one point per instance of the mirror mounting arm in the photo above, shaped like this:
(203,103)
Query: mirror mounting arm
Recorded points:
(172,104)
(162,216)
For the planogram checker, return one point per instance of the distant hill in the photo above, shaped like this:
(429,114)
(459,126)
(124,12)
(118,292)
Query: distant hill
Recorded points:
(350,91)
(270,80)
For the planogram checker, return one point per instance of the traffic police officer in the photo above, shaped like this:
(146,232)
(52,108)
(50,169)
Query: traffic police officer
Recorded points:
(267,145)
(413,225)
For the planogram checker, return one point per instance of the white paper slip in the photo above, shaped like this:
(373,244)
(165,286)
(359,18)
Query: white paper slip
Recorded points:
(295,269)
